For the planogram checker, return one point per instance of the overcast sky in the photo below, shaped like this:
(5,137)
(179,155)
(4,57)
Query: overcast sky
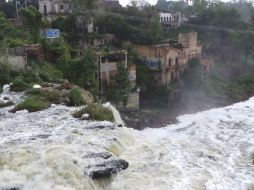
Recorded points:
(125,2)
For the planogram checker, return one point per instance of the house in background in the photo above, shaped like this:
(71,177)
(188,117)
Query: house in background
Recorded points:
(51,9)
(170,20)
(21,57)
(167,62)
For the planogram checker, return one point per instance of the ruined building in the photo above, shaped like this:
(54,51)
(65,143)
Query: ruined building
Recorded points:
(170,20)
(168,61)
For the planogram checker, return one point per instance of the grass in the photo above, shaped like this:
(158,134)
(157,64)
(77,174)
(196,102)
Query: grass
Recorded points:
(76,98)
(49,96)
(32,104)
(96,112)
(19,85)
(48,73)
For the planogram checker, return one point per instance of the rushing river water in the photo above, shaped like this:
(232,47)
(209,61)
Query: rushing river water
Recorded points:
(209,150)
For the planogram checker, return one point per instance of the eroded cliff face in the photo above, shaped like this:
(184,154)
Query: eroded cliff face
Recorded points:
(52,150)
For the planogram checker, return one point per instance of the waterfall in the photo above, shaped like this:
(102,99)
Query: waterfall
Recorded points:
(210,150)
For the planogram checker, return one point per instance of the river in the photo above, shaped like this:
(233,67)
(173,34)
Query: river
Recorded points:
(210,150)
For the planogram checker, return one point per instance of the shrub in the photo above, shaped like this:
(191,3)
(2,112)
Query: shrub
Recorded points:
(50,96)
(32,104)
(76,98)
(12,43)
(96,112)
(19,84)
(33,91)
(5,70)
(49,73)
(1,89)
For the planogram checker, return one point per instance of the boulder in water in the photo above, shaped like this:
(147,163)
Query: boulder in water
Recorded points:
(5,104)
(7,98)
(10,188)
(104,155)
(101,125)
(107,169)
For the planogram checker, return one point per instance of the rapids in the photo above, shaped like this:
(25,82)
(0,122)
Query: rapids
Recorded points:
(209,150)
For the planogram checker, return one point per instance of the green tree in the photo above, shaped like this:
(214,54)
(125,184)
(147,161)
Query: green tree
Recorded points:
(83,71)
(85,4)
(6,29)
(200,5)
(32,20)
(120,90)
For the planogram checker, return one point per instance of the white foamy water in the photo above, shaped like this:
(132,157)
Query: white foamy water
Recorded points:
(210,150)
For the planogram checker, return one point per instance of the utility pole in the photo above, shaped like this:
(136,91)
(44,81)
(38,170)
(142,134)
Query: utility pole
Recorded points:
(20,6)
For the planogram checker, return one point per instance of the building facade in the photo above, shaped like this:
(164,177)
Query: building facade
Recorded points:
(190,45)
(53,7)
(107,69)
(107,66)
(170,20)
(168,61)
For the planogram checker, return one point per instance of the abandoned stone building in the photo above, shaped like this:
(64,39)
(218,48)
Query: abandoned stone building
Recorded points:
(107,66)
(107,69)
(55,7)
(170,20)
(168,61)
(21,57)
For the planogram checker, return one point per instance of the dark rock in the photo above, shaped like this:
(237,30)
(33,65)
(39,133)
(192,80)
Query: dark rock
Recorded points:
(104,155)
(6,104)
(119,125)
(7,98)
(11,188)
(42,136)
(101,125)
(103,173)
(107,169)
(75,162)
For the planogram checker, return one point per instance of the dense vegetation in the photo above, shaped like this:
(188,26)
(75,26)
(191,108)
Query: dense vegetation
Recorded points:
(232,51)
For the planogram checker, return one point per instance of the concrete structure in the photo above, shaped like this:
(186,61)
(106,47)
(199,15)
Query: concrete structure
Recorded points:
(16,57)
(53,9)
(190,45)
(107,66)
(132,75)
(168,61)
(133,101)
(20,57)
(97,41)
(107,69)
(53,6)
(170,20)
